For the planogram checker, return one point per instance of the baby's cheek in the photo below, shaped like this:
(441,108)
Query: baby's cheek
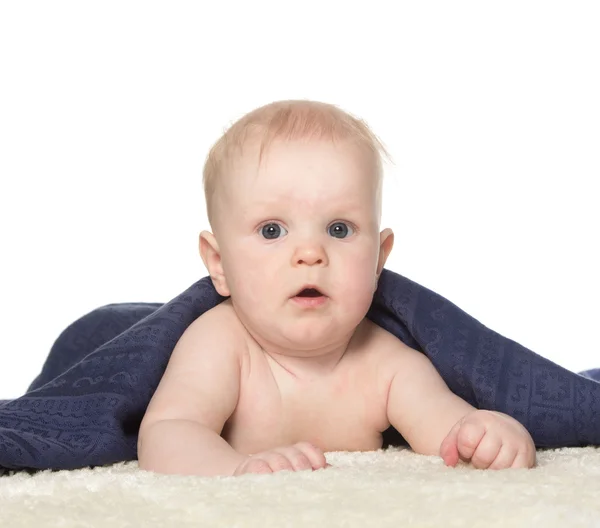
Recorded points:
(249,282)
(249,299)
(358,289)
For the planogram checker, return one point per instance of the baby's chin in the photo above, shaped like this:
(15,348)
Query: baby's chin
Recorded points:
(303,331)
(307,340)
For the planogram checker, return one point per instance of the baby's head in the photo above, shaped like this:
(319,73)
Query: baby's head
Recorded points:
(293,193)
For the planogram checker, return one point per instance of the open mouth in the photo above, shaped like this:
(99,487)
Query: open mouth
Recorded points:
(309,292)
(309,298)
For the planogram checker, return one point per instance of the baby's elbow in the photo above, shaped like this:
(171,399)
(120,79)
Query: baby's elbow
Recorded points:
(141,455)
(425,449)
(144,451)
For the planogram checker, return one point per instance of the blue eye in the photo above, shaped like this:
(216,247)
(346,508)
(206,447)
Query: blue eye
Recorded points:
(271,231)
(340,230)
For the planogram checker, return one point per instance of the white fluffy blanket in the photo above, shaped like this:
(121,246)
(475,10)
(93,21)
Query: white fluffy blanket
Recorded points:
(395,488)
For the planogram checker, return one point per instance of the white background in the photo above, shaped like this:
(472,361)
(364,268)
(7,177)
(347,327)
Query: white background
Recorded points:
(490,110)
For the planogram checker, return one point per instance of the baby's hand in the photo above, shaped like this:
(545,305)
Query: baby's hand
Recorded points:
(298,457)
(491,440)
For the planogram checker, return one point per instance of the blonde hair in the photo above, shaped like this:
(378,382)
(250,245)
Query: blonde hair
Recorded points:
(287,120)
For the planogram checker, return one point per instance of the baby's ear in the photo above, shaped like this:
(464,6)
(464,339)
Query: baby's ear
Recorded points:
(211,256)
(386,242)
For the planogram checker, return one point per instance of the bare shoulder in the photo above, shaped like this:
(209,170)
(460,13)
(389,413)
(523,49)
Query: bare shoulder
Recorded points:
(201,380)
(382,342)
(221,314)
(216,335)
(388,352)
(219,324)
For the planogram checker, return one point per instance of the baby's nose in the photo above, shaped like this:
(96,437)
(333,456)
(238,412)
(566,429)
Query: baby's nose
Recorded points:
(310,256)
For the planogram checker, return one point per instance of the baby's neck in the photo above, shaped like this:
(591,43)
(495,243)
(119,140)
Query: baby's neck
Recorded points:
(310,365)
(307,368)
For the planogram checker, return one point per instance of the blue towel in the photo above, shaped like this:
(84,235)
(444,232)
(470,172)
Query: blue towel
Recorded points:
(85,407)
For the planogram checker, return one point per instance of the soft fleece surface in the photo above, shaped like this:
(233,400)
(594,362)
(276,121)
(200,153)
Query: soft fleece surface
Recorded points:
(85,407)
(394,488)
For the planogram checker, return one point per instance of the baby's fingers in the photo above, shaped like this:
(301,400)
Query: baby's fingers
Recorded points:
(313,454)
(505,457)
(462,441)
(296,459)
(469,439)
(253,465)
(515,457)
(486,451)
(526,457)
(279,461)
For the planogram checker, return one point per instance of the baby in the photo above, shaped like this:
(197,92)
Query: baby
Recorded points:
(288,368)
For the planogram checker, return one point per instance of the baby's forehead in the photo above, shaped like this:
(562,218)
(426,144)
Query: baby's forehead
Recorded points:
(284,177)
(256,158)
(289,199)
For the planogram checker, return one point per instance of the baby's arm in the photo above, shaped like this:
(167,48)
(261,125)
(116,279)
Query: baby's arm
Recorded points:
(435,421)
(180,432)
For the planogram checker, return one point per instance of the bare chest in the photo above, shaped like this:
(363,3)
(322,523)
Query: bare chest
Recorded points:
(346,412)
